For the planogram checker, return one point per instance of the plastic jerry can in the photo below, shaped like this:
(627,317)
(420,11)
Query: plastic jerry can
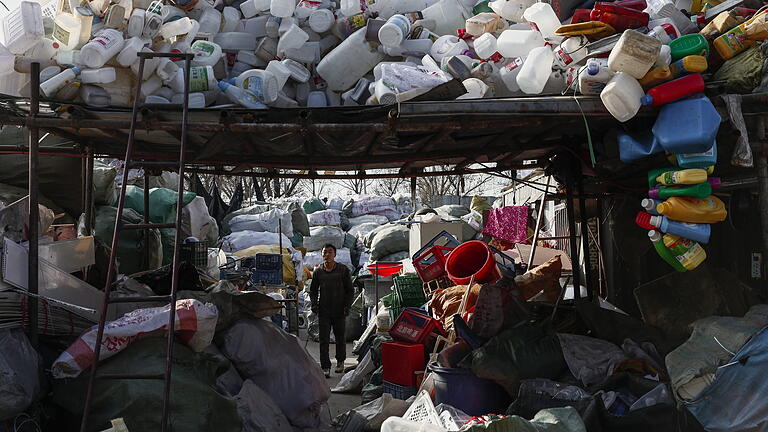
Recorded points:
(321,20)
(95,96)
(536,70)
(101,48)
(730,43)
(210,21)
(22,27)
(688,64)
(687,45)
(448,15)
(594,76)
(656,76)
(297,71)
(687,252)
(698,160)
(98,76)
(689,176)
(280,71)
(666,33)
(674,90)
(136,23)
(658,244)
(485,46)
(694,210)
(687,126)
(634,54)
(349,61)
(542,17)
(619,17)
(66,30)
(261,83)
(632,148)
(49,87)
(701,190)
(206,53)
(622,95)
(518,43)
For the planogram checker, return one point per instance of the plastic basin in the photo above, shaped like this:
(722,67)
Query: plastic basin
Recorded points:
(463,390)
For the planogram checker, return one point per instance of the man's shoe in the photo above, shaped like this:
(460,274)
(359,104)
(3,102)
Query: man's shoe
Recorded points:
(327,372)
(339,367)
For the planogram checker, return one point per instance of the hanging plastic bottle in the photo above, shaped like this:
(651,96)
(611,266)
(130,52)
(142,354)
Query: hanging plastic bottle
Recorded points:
(701,190)
(694,210)
(649,205)
(682,177)
(696,232)
(687,252)
(663,251)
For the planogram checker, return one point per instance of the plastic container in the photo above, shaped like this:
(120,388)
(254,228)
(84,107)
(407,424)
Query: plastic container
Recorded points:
(665,33)
(447,46)
(409,48)
(251,8)
(22,28)
(235,41)
(483,23)
(415,326)
(688,45)
(49,87)
(153,21)
(266,49)
(698,160)
(572,51)
(619,17)
(296,70)
(402,393)
(394,31)
(687,252)
(321,20)
(694,210)
(98,76)
(172,29)
(239,96)
(166,69)
(261,83)
(621,96)
(294,37)
(686,177)
(665,56)
(511,10)
(634,54)
(150,66)
(701,190)
(230,19)
(401,360)
(210,21)
(136,23)
(485,46)
(95,96)
(347,63)
(656,76)
(536,70)
(700,120)
(696,232)
(649,205)
(476,89)
(206,53)
(472,258)
(477,396)
(128,54)
(687,65)
(658,244)
(105,45)
(281,72)
(46,49)
(637,146)
(674,90)
(542,17)
(448,16)
(594,76)
(282,8)
(66,30)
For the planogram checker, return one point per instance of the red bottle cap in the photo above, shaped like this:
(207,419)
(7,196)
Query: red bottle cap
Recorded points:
(643,220)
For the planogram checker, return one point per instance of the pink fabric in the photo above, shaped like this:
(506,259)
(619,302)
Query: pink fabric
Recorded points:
(508,223)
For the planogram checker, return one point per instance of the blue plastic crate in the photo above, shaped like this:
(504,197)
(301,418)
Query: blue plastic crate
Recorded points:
(268,277)
(398,391)
(263,262)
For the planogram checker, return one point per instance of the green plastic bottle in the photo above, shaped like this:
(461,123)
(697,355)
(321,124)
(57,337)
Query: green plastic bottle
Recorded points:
(690,44)
(701,190)
(663,251)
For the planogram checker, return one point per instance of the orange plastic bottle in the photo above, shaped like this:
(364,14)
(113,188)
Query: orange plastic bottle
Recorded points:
(693,210)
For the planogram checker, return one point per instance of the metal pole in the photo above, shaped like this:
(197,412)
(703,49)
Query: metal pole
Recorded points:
(761,163)
(376,286)
(146,218)
(413,194)
(572,234)
(538,223)
(584,236)
(34,213)
(89,191)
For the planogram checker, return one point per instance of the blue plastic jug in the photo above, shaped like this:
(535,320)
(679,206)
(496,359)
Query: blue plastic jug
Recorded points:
(687,126)
(698,160)
(636,147)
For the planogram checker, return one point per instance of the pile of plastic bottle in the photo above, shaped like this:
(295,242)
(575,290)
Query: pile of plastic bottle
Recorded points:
(288,53)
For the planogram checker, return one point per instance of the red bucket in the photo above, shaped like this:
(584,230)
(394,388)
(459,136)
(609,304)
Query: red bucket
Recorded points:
(472,258)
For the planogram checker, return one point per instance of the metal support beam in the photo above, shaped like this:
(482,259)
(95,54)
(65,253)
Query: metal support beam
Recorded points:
(761,162)
(88,203)
(584,234)
(34,211)
(572,232)
(538,224)
(413,194)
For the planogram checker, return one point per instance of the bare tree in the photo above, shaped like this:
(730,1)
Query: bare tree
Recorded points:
(432,189)
(390,186)
(355,186)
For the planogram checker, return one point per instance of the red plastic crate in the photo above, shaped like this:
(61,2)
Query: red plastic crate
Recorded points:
(401,360)
(415,327)
(430,264)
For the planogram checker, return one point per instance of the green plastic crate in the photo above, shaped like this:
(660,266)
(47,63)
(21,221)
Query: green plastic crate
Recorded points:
(409,290)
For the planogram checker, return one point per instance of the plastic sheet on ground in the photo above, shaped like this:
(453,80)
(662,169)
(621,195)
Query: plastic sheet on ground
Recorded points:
(195,325)
(20,383)
(269,221)
(240,240)
(355,379)
(321,235)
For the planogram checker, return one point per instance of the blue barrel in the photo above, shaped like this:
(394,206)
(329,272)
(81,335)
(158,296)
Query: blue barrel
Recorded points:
(461,389)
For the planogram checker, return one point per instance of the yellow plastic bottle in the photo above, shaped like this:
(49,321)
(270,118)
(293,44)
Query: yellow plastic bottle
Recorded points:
(733,42)
(687,252)
(656,76)
(683,177)
(693,210)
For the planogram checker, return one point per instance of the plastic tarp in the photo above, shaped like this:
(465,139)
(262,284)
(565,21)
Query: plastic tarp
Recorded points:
(130,253)
(354,380)
(162,202)
(240,240)
(393,238)
(693,364)
(590,360)
(258,411)
(197,222)
(321,235)
(19,373)
(269,221)
(196,405)
(275,361)
(290,258)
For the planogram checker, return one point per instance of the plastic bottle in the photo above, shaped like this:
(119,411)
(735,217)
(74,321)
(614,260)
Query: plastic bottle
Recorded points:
(698,160)
(321,20)
(409,48)
(46,49)
(694,210)
(637,146)
(49,72)
(298,72)
(105,45)
(536,70)
(594,76)
(665,56)
(649,205)
(511,10)
(687,65)
(572,51)
(251,8)
(154,99)
(98,76)
(394,31)
(518,43)
(22,27)
(95,96)
(281,72)
(153,20)
(487,22)
(448,15)
(230,19)
(674,90)
(136,23)
(702,123)
(508,74)
(664,33)
(656,76)
(690,44)
(241,96)
(701,190)
(150,66)
(622,95)
(485,46)
(317,99)
(663,251)
(196,100)
(348,62)
(66,31)
(696,232)
(634,54)
(85,15)
(210,21)
(166,69)
(398,424)
(476,89)
(447,46)
(542,17)
(687,252)
(235,41)
(619,17)
(282,8)
(294,37)
(261,83)
(49,87)
(682,177)
(206,53)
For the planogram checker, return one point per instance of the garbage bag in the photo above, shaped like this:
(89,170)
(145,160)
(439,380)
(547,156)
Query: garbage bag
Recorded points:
(590,360)
(452,211)
(197,222)
(354,380)
(240,240)
(743,72)
(20,383)
(343,256)
(274,360)
(362,230)
(104,190)
(195,325)
(298,217)
(369,205)
(162,202)
(392,239)
(230,382)
(395,257)
(195,407)
(130,252)
(269,221)
(371,236)
(326,217)
(258,412)
(321,235)
(479,204)
(367,219)
(297,240)
(497,308)
(335,204)
(159,280)
(312,205)
(537,394)
(521,353)
(233,304)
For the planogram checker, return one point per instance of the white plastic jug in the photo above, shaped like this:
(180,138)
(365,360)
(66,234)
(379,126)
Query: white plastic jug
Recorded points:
(321,20)
(571,51)
(294,37)
(206,53)
(95,96)
(536,70)
(250,58)
(485,46)
(131,47)
(105,45)
(150,66)
(22,27)
(175,28)
(394,31)
(298,72)
(476,89)
(235,41)
(511,10)
(447,46)
(136,23)
(348,62)
(281,72)
(66,30)
(317,99)
(251,8)
(409,48)
(634,54)
(49,87)
(509,72)
(621,96)
(210,21)
(542,17)
(350,7)
(594,76)
(282,8)
(196,100)
(261,83)
(266,49)
(518,43)
(449,15)
(665,56)
(98,76)
(166,69)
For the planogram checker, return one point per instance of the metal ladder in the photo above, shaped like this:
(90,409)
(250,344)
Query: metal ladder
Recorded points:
(119,226)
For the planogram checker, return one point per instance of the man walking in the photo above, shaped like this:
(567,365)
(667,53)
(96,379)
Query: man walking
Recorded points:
(331,294)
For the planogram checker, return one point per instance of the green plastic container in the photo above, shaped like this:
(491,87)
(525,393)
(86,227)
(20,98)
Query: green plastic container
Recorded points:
(701,190)
(690,44)
(481,7)
(663,252)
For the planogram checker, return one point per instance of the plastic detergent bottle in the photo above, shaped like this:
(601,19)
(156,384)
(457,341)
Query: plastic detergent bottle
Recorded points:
(98,76)
(649,205)
(153,20)
(698,160)
(682,177)
(656,76)
(674,90)
(485,46)
(241,96)
(261,83)
(542,17)
(701,122)
(594,76)
(105,45)
(663,251)
(536,70)
(701,190)
(688,65)
(394,31)
(634,54)
(687,252)
(655,173)
(518,43)
(348,62)
(696,232)
(621,96)
(66,30)
(447,46)
(637,146)
(690,44)
(53,84)
(694,210)
(206,53)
